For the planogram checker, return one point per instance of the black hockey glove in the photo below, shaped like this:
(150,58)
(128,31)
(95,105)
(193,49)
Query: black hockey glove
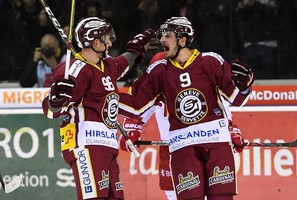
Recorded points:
(243,76)
(137,44)
(60,93)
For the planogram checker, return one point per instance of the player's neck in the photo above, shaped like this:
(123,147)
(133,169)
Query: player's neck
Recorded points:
(91,56)
(183,56)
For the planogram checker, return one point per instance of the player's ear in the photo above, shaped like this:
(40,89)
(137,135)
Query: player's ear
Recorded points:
(182,41)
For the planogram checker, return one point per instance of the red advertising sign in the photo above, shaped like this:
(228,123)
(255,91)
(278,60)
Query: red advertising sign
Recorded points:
(273,95)
(263,172)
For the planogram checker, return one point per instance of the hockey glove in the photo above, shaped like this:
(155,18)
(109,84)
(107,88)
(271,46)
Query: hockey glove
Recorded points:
(133,129)
(237,139)
(60,93)
(137,44)
(243,77)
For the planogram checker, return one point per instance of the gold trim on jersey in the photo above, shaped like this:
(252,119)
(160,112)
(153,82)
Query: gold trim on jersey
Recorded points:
(194,55)
(101,67)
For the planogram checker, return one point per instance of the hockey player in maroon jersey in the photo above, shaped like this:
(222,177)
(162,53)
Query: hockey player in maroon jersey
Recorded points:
(161,114)
(192,82)
(88,101)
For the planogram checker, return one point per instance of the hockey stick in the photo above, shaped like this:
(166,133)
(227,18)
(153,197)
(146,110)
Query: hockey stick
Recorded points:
(56,24)
(14,184)
(128,141)
(69,41)
(247,144)
(153,143)
(271,144)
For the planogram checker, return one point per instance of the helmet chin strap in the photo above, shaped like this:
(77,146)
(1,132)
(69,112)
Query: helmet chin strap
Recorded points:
(104,51)
(178,50)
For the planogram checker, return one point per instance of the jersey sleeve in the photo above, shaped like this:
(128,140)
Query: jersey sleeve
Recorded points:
(232,93)
(222,79)
(119,64)
(142,94)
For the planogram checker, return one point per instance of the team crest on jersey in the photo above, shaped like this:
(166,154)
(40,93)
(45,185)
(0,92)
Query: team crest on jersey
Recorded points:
(104,183)
(187,183)
(190,106)
(221,176)
(110,110)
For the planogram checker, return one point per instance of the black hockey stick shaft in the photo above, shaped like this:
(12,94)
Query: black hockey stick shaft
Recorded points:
(248,144)
(2,182)
(154,143)
(56,24)
(271,144)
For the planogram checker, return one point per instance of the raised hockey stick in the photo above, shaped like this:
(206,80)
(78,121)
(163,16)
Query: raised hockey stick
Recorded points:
(56,24)
(128,141)
(248,144)
(14,184)
(69,41)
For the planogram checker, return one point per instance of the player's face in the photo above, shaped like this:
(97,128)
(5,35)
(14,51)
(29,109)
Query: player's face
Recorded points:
(169,43)
(108,40)
(103,44)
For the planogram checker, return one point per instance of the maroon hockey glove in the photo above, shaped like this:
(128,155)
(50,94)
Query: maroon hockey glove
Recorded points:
(237,139)
(133,129)
(137,44)
(243,77)
(60,93)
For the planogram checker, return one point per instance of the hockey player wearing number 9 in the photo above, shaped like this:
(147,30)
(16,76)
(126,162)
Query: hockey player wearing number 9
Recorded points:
(88,103)
(202,156)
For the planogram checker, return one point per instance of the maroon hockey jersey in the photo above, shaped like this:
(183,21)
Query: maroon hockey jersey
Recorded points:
(91,116)
(192,93)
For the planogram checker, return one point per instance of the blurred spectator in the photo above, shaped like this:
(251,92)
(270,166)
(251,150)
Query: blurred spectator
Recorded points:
(62,9)
(45,25)
(92,11)
(259,29)
(287,16)
(46,57)
(267,29)
(148,12)
(125,20)
(189,9)
(143,14)
(6,13)
(22,33)
(214,18)
(152,13)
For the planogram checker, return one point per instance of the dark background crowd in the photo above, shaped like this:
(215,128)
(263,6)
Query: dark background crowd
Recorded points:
(263,33)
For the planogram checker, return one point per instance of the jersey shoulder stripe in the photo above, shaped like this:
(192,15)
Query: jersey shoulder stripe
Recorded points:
(155,64)
(214,55)
(76,67)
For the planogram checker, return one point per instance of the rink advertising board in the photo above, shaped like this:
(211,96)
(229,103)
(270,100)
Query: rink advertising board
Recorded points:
(261,95)
(30,147)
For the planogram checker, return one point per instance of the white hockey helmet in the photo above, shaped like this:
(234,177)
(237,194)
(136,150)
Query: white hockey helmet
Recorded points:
(91,28)
(181,26)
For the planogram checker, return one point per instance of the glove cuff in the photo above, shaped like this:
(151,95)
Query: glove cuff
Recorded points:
(55,106)
(140,54)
